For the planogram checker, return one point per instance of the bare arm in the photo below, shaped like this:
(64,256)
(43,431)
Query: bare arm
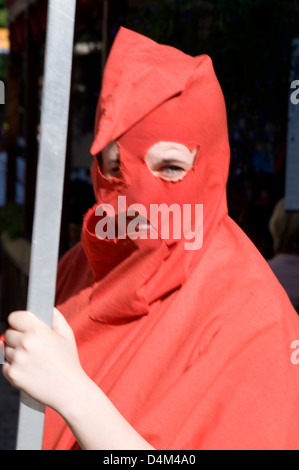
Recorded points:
(44,363)
(97,424)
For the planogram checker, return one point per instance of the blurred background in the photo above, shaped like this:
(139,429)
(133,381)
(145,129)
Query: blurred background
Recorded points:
(250,42)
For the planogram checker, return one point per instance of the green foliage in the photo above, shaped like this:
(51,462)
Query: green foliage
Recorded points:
(11,220)
(3,14)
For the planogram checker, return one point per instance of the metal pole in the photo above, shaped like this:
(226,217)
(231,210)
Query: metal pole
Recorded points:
(49,191)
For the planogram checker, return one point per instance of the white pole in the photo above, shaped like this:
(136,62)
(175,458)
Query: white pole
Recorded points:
(49,192)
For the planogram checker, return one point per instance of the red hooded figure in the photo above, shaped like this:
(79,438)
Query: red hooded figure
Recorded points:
(187,332)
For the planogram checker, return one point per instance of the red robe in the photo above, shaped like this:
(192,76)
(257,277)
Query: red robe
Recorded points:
(194,347)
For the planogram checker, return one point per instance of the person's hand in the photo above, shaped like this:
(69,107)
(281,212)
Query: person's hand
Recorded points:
(44,363)
(41,361)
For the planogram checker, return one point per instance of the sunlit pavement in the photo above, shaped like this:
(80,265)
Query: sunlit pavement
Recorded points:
(9,407)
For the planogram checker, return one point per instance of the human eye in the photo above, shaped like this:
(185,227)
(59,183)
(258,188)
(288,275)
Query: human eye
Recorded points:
(170,161)
(114,167)
(111,161)
(171,172)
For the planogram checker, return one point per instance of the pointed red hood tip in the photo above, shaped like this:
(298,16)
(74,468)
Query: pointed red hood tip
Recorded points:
(140,75)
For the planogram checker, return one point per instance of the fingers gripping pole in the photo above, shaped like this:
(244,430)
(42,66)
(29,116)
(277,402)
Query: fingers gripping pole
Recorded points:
(49,192)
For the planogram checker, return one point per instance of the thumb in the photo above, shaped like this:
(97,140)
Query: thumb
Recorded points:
(60,325)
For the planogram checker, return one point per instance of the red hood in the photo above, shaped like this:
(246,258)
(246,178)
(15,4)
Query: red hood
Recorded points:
(193,347)
(154,93)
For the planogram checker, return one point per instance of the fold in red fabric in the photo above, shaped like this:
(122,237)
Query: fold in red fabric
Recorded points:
(192,346)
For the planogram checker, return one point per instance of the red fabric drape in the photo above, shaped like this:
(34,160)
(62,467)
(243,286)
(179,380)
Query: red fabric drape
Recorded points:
(194,349)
